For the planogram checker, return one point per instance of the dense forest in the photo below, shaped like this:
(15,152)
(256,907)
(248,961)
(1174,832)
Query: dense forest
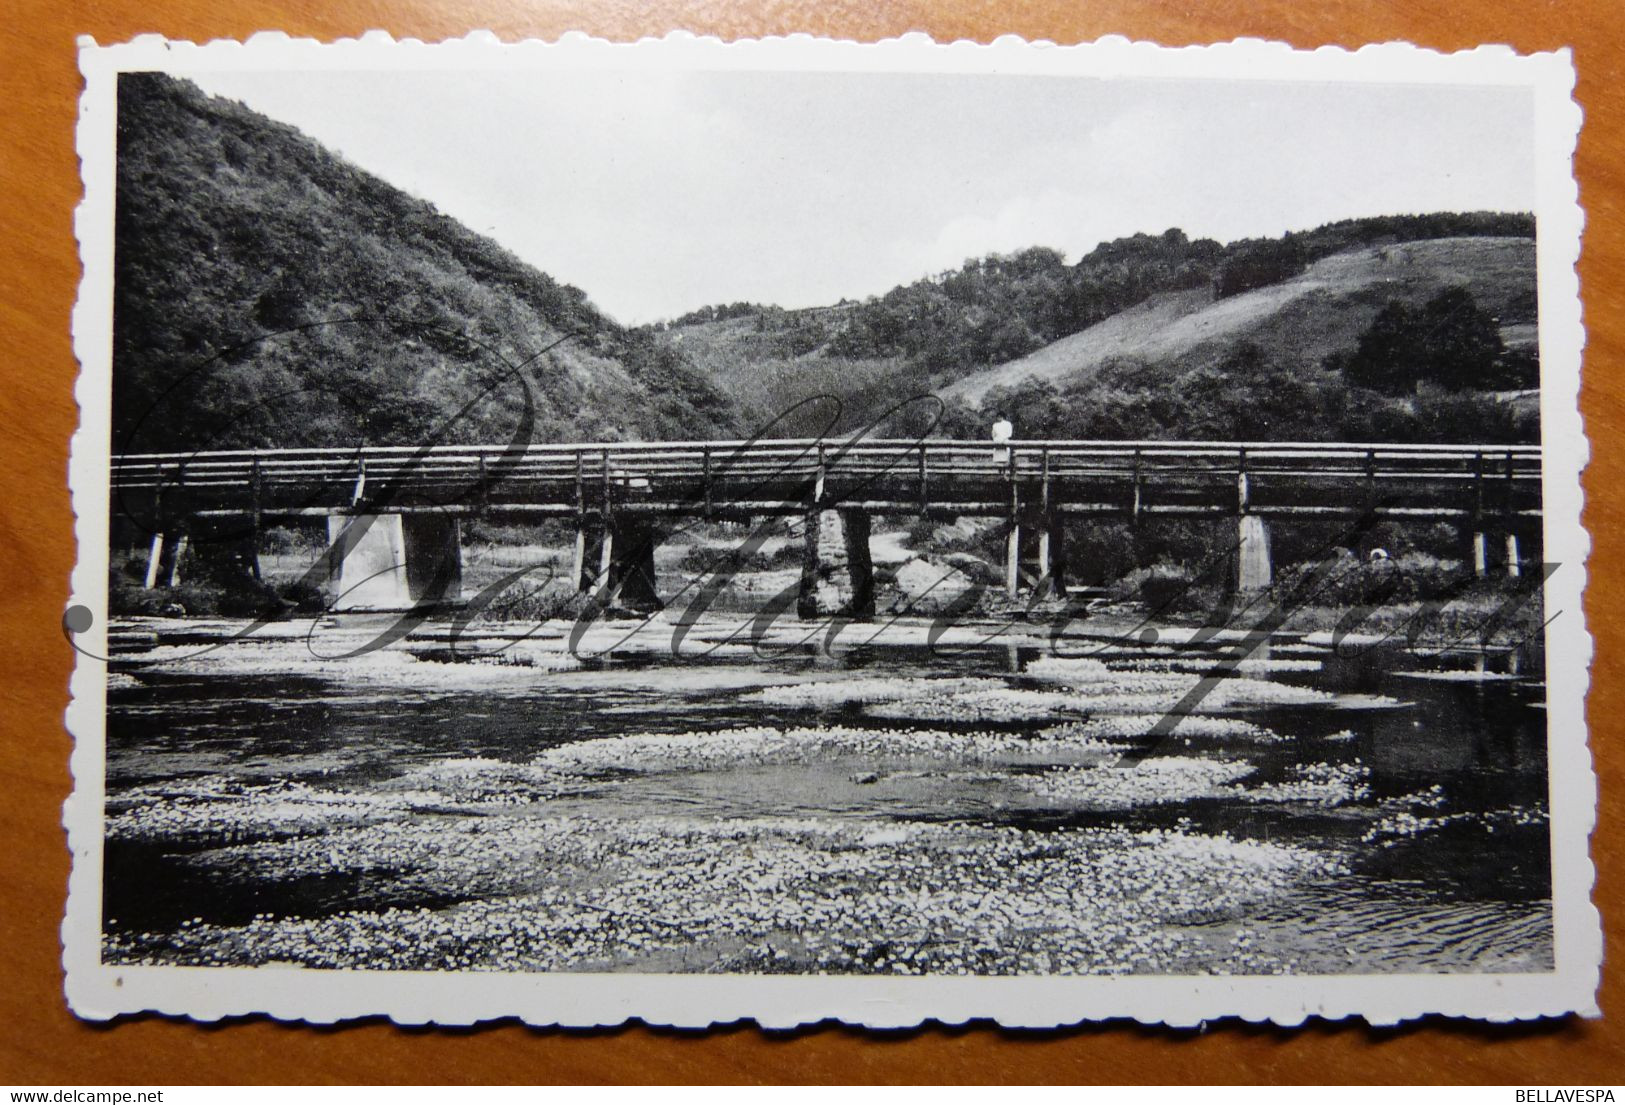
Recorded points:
(269,293)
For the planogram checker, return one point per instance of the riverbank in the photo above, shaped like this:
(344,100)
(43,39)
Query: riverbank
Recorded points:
(939,573)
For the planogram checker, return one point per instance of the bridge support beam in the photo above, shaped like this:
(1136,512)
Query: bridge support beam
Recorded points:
(157,575)
(1052,558)
(1253,570)
(632,565)
(616,563)
(164,558)
(1514,569)
(1012,559)
(391,562)
(1481,555)
(837,568)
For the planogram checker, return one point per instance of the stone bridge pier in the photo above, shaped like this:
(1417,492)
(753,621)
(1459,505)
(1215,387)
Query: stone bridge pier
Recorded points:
(1503,552)
(837,571)
(1035,554)
(1254,569)
(393,561)
(615,562)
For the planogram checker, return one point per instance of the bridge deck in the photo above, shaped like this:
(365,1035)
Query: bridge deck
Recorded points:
(785,476)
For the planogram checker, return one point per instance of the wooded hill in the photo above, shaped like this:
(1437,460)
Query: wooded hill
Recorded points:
(269,293)
(1323,334)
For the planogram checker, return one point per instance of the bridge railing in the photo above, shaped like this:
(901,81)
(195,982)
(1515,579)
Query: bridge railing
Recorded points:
(655,459)
(792,470)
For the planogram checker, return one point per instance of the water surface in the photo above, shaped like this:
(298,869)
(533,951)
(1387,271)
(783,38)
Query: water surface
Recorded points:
(974,808)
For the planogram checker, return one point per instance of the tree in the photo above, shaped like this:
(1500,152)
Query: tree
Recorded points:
(1388,358)
(1033,405)
(1010,339)
(1462,342)
(1451,342)
(1255,264)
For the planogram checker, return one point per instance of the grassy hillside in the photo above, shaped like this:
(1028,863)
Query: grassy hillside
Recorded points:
(1304,319)
(268,293)
(1183,338)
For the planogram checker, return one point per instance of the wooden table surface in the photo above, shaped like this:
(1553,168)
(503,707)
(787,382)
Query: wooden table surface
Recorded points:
(41,1042)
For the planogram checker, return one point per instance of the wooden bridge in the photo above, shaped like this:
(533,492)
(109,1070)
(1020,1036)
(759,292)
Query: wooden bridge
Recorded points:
(393,512)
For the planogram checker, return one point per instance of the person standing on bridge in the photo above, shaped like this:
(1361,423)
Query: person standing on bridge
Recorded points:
(1003,431)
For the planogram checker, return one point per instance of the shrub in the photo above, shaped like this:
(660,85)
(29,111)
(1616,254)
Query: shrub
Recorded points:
(287,539)
(1411,577)
(711,558)
(129,597)
(1255,264)
(1162,585)
(552,600)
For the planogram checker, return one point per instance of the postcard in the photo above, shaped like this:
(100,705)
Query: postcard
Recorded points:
(792,529)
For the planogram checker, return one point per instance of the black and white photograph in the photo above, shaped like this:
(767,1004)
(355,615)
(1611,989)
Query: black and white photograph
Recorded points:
(810,531)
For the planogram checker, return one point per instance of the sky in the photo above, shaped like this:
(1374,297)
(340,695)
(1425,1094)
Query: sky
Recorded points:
(657,193)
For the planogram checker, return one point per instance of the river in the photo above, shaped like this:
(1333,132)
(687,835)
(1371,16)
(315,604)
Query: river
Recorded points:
(1001,800)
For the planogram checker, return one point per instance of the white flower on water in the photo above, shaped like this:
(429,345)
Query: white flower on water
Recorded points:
(1146,782)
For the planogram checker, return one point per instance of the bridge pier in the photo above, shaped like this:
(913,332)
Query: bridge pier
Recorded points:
(392,562)
(434,557)
(837,569)
(181,543)
(1041,549)
(603,578)
(155,554)
(1052,557)
(581,573)
(1511,565)
(594,558)
(162,556)
(1012,559)
(1253,569)
(367,561)
(615,562)
(632,565)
